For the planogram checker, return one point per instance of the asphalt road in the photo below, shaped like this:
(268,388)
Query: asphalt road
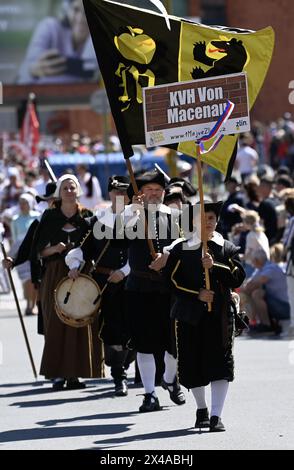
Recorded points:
(258,414)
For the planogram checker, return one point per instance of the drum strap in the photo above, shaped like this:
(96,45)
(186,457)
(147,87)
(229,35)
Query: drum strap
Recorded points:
(100,256)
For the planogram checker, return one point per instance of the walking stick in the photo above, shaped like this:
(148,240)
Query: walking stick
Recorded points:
(19,313)
(203,229)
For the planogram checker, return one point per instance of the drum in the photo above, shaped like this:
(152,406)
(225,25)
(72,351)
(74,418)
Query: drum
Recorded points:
(77,301)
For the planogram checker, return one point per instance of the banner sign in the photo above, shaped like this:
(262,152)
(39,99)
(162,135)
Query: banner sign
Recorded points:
(185,111)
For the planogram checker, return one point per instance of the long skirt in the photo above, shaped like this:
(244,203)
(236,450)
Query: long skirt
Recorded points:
(68,351)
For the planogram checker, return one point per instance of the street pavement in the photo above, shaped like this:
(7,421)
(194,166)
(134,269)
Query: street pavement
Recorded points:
(258,414)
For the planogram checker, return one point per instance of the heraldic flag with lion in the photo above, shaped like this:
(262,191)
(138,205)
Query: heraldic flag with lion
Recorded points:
(136,48)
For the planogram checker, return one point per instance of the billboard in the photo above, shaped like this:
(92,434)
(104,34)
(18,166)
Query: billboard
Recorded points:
(45,42)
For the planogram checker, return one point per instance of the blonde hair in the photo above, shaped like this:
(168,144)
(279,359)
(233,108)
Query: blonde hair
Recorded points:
(252,219)
(277,253)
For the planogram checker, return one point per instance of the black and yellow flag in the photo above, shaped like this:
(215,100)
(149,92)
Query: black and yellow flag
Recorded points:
(136,49)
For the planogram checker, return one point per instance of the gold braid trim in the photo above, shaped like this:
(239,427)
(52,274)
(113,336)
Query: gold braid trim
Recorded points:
(177,285)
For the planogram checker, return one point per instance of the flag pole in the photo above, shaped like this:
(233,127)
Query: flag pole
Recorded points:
(19,314)
(136,191)
(203,226)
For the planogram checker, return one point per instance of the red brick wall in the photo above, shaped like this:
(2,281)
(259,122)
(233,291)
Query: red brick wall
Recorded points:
(273,99)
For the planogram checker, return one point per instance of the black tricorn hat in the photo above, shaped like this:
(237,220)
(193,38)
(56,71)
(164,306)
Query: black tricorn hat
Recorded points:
(208,207)
(121,183)
(148,177)
(173,193)
(49,191)
(186,186)
(215,207)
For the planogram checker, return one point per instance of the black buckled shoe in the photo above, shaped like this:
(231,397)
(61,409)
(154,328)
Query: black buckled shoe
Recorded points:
(121,388)
(202,418)
(216,425)
(74,384)
(58,384)
(176,394)
(150,403)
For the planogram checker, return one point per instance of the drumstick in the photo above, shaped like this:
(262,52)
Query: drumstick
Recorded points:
(69,291)
(99,295)
(68,294)
(80,268)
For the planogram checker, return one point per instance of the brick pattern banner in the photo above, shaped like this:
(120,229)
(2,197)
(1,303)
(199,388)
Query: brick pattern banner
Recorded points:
(187,111)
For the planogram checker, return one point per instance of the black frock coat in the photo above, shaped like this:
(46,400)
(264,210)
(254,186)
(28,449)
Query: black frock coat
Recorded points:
(113,323)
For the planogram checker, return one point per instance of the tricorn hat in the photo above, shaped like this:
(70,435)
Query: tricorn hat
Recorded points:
(173,193)
(121,183)
(215,207)
(194,210)
(148,177)
(186,186)
(49,191)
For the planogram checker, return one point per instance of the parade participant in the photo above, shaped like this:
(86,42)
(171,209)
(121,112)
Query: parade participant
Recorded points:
(24,251)
(66,350)
(174,197)
(205,338)
(92,195)
(111,270)
(19,226)
(148,299)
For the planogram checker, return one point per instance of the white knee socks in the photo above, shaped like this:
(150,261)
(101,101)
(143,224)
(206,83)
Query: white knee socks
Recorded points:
(199,395)
(219,390)
(146,364)
(170,368)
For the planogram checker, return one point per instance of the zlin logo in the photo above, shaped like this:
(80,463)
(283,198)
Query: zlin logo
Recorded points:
(240,123)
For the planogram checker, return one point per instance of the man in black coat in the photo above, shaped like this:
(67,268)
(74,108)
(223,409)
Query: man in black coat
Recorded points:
(148,298)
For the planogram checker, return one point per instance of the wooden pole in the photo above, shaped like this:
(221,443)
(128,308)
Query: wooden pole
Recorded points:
(136,190)
(19,314)
(203,228)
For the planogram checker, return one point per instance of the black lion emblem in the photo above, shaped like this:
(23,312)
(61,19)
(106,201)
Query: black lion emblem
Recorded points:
(232,62)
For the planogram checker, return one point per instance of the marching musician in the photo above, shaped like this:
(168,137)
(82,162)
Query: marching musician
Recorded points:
(109,272)
(66,350)
(24,251)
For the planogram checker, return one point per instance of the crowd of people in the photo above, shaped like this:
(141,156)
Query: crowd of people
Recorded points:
(155,302)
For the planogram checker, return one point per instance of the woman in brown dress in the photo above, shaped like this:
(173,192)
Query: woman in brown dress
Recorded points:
(66,354)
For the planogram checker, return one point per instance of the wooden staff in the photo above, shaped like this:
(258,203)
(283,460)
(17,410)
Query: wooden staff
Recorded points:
(202,212)
(136,191)
(19,313)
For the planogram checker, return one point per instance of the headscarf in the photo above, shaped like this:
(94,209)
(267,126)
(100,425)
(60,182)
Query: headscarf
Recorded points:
(29,198)
(67,176)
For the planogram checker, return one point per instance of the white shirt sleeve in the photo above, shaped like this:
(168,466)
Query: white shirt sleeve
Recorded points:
(131,215)
(74,258)
(125,269)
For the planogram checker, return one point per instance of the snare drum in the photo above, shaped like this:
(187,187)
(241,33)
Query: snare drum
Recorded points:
(77,301)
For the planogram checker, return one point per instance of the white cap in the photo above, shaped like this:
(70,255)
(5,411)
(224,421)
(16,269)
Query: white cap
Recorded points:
(67,176)
(12,171)
(29,198)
